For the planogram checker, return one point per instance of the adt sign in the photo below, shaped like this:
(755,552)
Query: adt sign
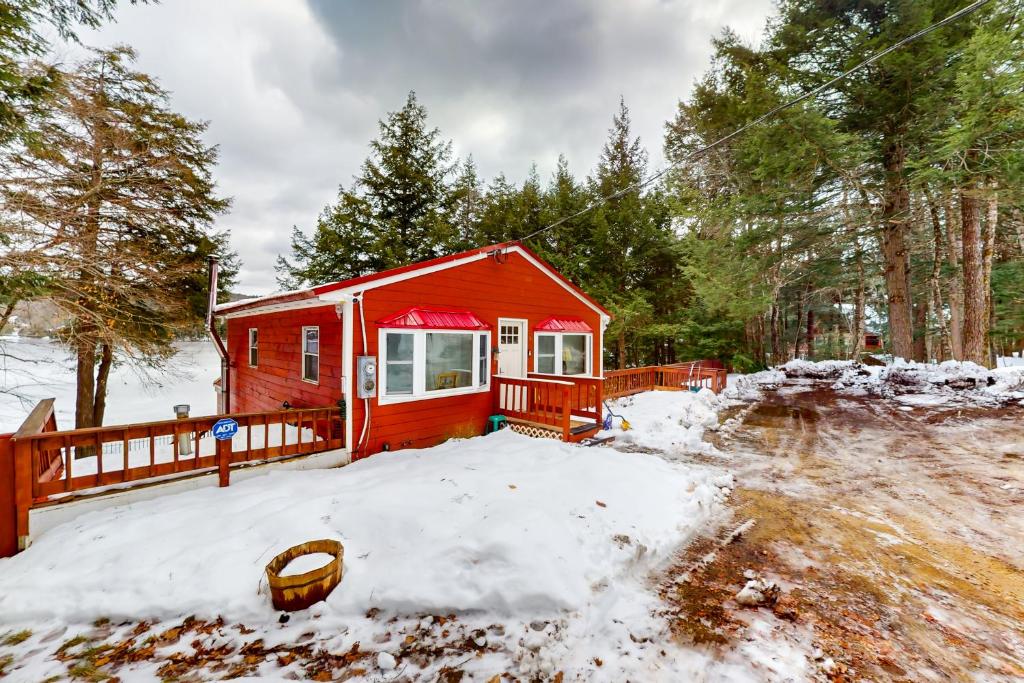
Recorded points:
(224,429)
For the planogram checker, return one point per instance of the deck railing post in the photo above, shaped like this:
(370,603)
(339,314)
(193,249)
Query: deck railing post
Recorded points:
(566,413)
(22,488)
(223,461)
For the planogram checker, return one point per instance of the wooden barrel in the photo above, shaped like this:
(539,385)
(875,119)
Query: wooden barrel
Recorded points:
(299,591)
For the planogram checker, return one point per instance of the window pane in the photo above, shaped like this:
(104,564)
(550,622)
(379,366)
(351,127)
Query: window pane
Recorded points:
(312,344)
(574,354)
(399,379)
(449,362)
(253,356)
(311,368)
(399,347)
(546,344)
(482,360)
(546,364)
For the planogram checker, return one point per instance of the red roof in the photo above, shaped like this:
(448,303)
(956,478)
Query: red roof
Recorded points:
(554,324)
(435,319)
(314,292)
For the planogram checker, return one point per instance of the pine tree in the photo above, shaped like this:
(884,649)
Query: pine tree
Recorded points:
(395,213)
(25,85)
(117,188)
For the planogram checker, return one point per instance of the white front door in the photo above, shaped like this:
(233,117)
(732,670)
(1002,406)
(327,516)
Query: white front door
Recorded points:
(511,347)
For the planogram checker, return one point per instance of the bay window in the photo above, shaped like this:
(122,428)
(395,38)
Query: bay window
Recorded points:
(433,363)
(558,353)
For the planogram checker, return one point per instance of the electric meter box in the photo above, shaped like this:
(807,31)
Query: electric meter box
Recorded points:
(366,376)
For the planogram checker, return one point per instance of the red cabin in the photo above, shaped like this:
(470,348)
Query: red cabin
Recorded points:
(426,352)
(872,341)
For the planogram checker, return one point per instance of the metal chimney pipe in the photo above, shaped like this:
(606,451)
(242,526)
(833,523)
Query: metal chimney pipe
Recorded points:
(211,328)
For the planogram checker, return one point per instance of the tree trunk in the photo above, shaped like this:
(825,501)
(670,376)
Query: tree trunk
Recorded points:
(956,291)
(6,315)
(620,345)
(776,351)
(102,375)
(942,350)
(858,308)
(85,382)
(987,252)
(920,328)
(894,252)
(975,301)
(810,334)
(799,324)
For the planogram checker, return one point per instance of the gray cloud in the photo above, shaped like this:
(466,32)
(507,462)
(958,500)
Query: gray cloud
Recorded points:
(293,90)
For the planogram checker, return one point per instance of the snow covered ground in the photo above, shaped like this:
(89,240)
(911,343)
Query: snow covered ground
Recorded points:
(552,543)
(34,369)
(488,555)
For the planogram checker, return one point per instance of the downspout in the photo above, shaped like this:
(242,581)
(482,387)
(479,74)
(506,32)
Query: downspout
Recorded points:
(211,329)
(365,435)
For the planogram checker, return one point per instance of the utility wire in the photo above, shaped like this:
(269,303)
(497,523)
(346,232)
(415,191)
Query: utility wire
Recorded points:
(969,9)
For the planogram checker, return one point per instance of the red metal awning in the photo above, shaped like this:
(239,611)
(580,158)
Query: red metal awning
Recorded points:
(426,317)
(554,324)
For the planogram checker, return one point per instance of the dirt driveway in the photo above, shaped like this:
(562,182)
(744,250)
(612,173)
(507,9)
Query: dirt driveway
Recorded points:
(896,534)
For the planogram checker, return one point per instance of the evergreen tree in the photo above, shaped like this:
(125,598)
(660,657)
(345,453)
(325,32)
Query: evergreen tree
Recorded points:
(626,235)
(395,213)
(117,189)
(25,85)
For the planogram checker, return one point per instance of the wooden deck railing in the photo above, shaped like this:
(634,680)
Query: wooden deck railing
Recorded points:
(543,401)
(50,465)
(677,376)
(585,396)
(76,460)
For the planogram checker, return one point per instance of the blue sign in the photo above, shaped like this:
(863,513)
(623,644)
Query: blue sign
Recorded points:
(224,429)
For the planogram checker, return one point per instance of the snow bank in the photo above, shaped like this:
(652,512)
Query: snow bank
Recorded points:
(916,384)
(666,420)
(502,524)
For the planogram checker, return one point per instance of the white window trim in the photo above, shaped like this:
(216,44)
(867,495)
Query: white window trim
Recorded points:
(419,362)
(558,353)
(303,354)
(254,331)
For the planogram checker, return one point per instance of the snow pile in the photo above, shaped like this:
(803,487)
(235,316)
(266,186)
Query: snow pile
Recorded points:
(666,420)
(912,383)
(750,387)
(826,369)
(504,527)
(929,384)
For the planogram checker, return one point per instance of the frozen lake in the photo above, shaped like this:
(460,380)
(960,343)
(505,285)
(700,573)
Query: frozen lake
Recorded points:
(34,369)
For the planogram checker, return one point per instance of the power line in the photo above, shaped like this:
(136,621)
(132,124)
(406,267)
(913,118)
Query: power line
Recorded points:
(969,9)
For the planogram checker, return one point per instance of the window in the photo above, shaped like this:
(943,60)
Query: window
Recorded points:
(311,354)
(398,363)
(449,361)
(482,361)
(254,350)
(546,353)
(431,363)
(509,334)
(562,353)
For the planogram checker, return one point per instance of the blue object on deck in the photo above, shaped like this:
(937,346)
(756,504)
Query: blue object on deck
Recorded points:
(496,422)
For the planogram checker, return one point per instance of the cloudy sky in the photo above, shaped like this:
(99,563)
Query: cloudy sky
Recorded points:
(293,89)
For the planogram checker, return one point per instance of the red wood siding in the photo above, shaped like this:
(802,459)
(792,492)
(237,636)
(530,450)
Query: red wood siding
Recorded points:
(8,510)
(278,375)
(515,289)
